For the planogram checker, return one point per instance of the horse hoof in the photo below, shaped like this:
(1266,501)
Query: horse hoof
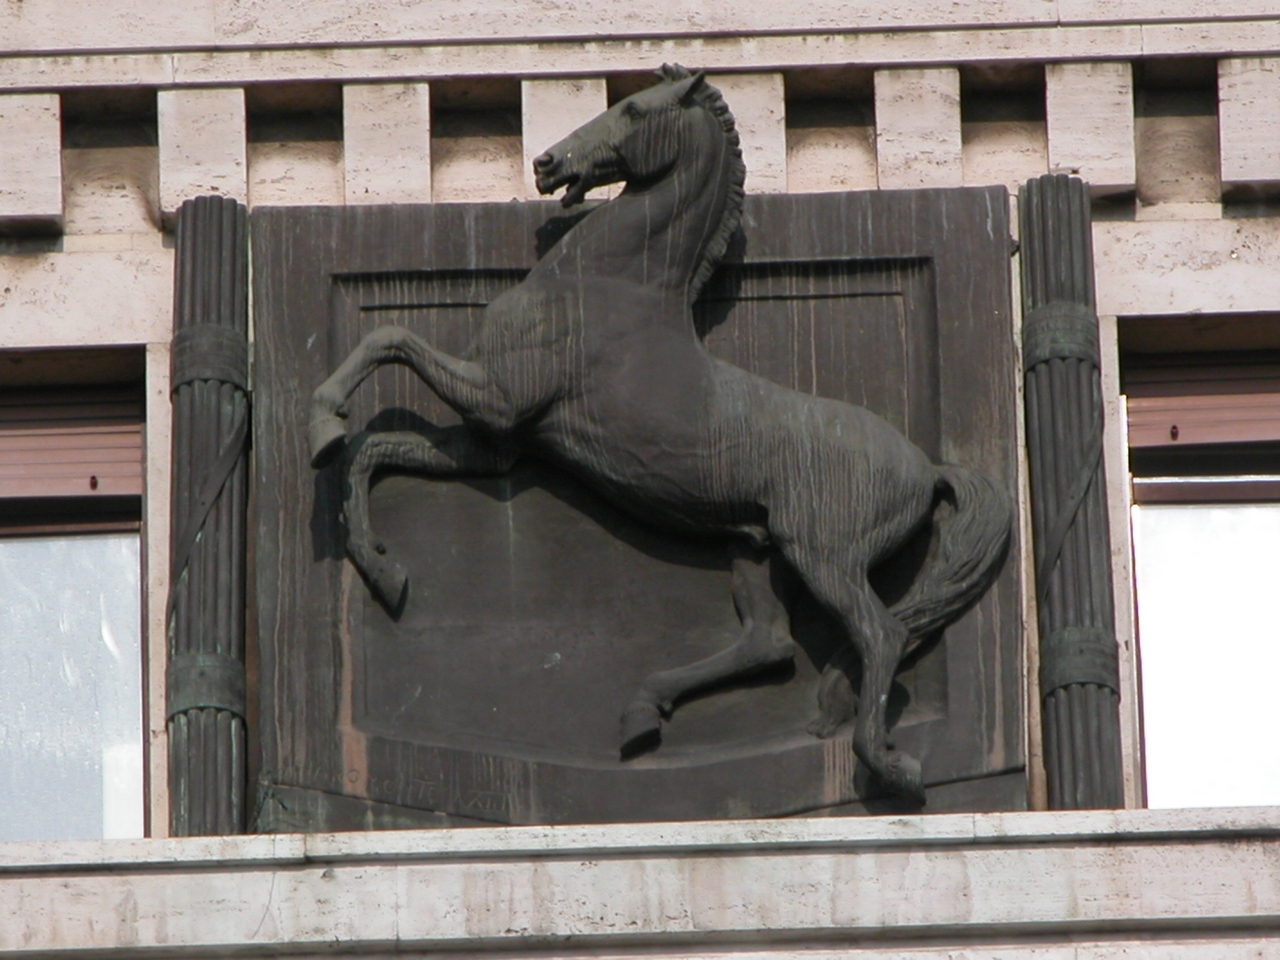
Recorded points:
(823,727)
(325,436)
(904,778)
(389,582)
(641,729)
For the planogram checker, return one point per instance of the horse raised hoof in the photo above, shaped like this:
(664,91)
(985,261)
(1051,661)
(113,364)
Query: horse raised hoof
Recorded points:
(902,775)
(641,729)
(325,437)
(390,583)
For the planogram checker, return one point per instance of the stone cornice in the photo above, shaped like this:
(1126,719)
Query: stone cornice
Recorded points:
(353,59)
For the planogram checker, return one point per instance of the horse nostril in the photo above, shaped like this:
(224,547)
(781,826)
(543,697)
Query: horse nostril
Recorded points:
(543,163)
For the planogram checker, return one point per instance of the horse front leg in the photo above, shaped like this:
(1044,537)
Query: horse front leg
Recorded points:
(462,384)
(765,642)
(450,451)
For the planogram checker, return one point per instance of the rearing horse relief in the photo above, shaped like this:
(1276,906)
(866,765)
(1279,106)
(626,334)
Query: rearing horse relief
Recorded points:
(593,363)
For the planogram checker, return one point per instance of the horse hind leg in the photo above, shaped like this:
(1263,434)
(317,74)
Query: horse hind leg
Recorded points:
(837,700)
(879,639)
(765,641)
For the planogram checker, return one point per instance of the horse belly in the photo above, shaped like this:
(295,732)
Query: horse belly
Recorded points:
(840,477)
(662,478)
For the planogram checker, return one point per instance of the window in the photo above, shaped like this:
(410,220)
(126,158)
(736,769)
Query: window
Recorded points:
(71,709)
(70,687)
(1204,432)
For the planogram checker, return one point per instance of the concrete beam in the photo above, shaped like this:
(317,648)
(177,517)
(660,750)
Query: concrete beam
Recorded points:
(918,140)
(387,142)
(30,163)
(1249,123)
(758,104)
(552,109)
(1089,110)
(202,146)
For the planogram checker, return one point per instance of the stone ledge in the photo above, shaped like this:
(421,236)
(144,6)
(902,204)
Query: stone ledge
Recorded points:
(403,60)
(120,25)
(629,840)
(926,882)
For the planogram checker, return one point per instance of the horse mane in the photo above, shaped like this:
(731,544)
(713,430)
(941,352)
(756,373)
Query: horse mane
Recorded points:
(710,98)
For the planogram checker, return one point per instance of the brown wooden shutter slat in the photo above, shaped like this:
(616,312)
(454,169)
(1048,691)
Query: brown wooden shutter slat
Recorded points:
(1203,399)
(71,442)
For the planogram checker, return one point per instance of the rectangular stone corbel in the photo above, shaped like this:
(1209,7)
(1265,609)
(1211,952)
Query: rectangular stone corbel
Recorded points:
(30,164)
(202,146)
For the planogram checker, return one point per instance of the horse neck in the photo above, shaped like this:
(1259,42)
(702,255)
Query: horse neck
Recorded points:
(655,236)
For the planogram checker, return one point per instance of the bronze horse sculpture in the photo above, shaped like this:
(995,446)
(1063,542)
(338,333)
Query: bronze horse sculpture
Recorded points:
(593,363)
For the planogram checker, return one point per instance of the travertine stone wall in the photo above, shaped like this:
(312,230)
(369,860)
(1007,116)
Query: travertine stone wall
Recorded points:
(290,173)
(1165,165)
(918,140)
(759,107)
(203,145)
(1249,90)
(1089,108)
(550,110)
(30,162)
(1142,885)
(387,142)
(477,156)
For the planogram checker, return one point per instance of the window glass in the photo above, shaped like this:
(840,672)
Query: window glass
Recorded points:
(70,687)
(1207,576)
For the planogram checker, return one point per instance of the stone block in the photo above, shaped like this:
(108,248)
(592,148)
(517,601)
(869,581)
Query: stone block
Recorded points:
(1248,93)
(918,140)
(1089,110)
(476,170)
(111,190)
(1197,266)
(758,103)
(30,163)
(552,109)
(387,142)
(831,145)
(295,173)
(1010,152)
(1176,141)
(94,297)
(202,145)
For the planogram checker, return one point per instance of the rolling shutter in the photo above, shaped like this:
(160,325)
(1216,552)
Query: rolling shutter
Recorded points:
(71,442)
(1201,399)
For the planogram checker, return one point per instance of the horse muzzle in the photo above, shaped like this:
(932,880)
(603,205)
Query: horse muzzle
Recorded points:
(551,173)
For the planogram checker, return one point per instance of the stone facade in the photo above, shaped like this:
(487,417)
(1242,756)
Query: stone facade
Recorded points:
(448,102)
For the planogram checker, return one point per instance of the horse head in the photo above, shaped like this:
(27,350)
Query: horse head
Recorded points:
(637,140)
(679,131)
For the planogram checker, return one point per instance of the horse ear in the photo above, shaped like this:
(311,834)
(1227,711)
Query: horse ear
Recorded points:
(687,88)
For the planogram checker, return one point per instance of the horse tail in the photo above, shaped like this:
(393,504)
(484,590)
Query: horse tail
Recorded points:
(966,557)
